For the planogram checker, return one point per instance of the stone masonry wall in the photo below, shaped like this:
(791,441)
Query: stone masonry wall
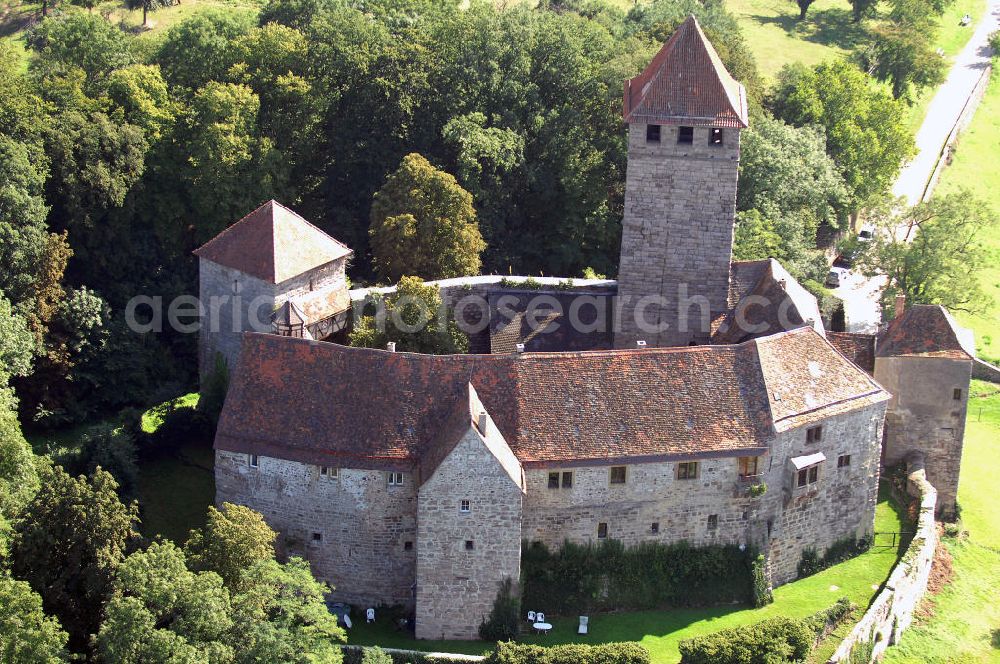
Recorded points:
(363,523)
(227,297)
(329,276)
(680,209)
(924,416)
(456,586)
(841,503)
(891,612)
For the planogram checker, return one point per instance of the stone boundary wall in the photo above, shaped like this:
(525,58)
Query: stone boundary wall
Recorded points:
(985,371)
(891,612)
(964,118)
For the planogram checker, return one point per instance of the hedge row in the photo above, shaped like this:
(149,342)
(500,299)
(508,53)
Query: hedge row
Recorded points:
(606,653)
(768,642)
(578,579)
(356,655)
(516,653)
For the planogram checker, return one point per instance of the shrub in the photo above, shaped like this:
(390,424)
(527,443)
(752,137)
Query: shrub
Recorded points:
(758,490)
(375,655)
(775,640)
(761,586)
(609,576)
(838,552)
(503,619)
(606,653)
(994,42)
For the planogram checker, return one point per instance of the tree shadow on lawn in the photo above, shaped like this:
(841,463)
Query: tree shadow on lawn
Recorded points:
(995,638)
(829,27)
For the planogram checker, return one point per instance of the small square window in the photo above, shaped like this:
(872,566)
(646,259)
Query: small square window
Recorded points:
(655,528)
(254,461)
(748,466)
(567,480)
(803,477)
(553,480)
(469,545)
(464,507)
(652,133)
(843,460)
(328,472)
(715,136)
(814,434)
(745,515)
(713,521)
(685,135)
(317,537)
(395,479)
(956,394)
(618,474)
(813,474)
(687,470)
(602,530)
(407,546)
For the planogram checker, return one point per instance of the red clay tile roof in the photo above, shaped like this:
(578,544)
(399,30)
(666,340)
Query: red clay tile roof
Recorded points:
(926,329)
(859,348)
(686,83)
(780,303)
(324,403)
(272,243)
(541,320)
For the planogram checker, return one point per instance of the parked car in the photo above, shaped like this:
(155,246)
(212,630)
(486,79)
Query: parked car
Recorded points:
(866,234)
(833,279)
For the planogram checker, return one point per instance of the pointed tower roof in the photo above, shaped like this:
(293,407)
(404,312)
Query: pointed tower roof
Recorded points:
(288,315)
(686,83)
(272,243)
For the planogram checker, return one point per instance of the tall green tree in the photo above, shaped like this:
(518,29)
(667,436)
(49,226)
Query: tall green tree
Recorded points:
(78,40)
(162,612)
(73,536)
(933,252)
(864,134)
(423,223)
(27,635)
(233,540)
(199,49)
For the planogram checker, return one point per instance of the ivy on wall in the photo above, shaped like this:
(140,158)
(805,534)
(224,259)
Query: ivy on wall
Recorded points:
(609,576)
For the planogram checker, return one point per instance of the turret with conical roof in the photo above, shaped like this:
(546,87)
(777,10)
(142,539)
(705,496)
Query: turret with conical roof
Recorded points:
(684,114)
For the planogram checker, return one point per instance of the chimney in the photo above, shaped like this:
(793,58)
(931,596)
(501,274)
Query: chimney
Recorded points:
(519,348)
(641,343)
(391,346)
(482,421)
(900,304)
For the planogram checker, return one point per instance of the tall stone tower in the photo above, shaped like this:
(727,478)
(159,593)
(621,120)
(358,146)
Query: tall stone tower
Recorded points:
(684,115)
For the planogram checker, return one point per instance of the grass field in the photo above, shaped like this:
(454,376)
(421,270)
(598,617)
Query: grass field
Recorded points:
(661,631)
(964,620)
(974,167)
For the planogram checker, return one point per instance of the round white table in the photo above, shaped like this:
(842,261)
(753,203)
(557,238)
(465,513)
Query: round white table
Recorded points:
(542,627)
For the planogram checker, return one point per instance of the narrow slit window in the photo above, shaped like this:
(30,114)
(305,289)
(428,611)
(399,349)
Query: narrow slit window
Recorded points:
(713,521)
(254,461)
(602,530)
(957,394)
(655,528)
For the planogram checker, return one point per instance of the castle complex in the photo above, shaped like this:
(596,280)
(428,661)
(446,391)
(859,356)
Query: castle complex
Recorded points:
(713,407)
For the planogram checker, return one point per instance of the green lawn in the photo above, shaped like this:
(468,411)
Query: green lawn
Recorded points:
(964,625)
(974,167)
(661,631)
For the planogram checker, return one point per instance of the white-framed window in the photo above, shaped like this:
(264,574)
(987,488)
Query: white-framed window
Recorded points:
(253,460)
(395,479)
(687,470)
(328,472)
(465,507)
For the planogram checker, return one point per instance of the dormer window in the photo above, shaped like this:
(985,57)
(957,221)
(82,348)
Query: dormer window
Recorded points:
(714,136)
(652,133)
(685,135)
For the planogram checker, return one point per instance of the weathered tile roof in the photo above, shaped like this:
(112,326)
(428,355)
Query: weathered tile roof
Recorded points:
(686,83)
(272,243)
(778,303)
(325,403)
(541,320)
(929,330)
(859,348)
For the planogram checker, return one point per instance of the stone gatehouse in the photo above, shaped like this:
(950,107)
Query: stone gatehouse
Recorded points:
(413,480)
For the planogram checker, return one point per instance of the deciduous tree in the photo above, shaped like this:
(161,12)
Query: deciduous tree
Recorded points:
(27,635)
(232,541)
(423,223)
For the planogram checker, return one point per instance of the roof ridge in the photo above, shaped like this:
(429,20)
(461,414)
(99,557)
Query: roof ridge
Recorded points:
(309,223)
(225,231)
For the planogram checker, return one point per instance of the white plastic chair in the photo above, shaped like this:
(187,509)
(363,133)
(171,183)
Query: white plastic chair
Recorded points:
(540,617)
(347,621)
(584,625)
(370,615)
(531,616)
